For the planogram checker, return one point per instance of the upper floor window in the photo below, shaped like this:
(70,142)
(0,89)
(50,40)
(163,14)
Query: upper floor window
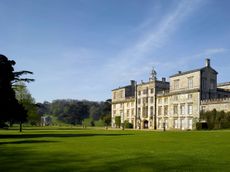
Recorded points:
(189,96)
(132,112)
(145,91)
(139,111)
(139,101)
(176,84)
(165,110)
(151,99)
(175,98)
(190,82)
(165,100)
(151,90)
(159,100)
(159,110)
(151,110)
(114,95)
(139,93)
(145,100)
(182,109)
(175,109)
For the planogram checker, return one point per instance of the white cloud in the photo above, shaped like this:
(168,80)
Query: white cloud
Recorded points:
(129,63)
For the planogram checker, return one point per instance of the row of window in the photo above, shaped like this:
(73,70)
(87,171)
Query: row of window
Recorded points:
(121,105)
(145,91)
(145,100)
(176,83)
(118,94)
(177,123)
(176,109)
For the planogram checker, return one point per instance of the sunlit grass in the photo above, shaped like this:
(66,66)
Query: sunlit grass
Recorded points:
(75,149)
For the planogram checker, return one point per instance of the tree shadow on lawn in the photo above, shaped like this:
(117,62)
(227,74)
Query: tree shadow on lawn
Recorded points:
(10,136)
(26,141)
(22,159)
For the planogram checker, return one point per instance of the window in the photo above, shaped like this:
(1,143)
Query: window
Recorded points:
(114,112)
(145,91)
(128,112)
(159,110)
(175,98)
(190,123)
(139,101)
(139,112)
(190,96)
(175,109)
(114,95)
(159,100)
(190,109)
(114,106)
(151,99)
(175,123)
(190,82)
(151,90)
(145,112)
(132,104)
(165,100)
(121,105)
(151,110)
(176,84)
(182,108)
(132,112)
(139,93)
(165,110)
(203,108)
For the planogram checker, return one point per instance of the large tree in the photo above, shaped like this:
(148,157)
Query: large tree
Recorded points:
(25,98)
(10,109)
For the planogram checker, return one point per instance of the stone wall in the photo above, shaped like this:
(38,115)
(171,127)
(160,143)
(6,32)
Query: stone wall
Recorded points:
(218,104)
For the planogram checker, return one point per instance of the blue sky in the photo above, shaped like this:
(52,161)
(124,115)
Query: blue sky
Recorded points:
(82,49)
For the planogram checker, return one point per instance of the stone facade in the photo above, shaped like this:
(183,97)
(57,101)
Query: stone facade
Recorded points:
(175,104)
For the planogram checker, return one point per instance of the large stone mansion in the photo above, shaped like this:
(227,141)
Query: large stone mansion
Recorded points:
(175,104)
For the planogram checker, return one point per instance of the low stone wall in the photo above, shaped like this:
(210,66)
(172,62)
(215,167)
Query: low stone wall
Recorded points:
(218,104)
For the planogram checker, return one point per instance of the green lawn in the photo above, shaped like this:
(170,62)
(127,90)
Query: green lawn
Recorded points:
(113,150)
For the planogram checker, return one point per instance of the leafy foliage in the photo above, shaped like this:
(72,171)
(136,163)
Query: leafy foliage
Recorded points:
(78,112)
(216,119)
(27,101)
(10,109)
(118,121)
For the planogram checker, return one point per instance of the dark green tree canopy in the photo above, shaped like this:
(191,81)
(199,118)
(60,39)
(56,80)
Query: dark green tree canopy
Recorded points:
(10,109)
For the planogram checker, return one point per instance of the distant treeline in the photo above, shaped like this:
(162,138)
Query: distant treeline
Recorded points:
(75,111)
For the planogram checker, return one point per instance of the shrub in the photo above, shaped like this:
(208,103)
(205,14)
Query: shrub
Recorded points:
(118,121)
(128,125)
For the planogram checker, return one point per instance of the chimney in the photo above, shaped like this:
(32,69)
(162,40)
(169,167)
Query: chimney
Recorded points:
(132,82)
(207,62)
(163,79)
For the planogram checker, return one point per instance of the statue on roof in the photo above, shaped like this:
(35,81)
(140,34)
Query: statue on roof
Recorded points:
(153,75)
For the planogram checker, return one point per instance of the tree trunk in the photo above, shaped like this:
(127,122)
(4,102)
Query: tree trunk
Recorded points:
(20,126)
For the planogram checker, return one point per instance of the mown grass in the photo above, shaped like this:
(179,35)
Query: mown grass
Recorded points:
(73,149)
